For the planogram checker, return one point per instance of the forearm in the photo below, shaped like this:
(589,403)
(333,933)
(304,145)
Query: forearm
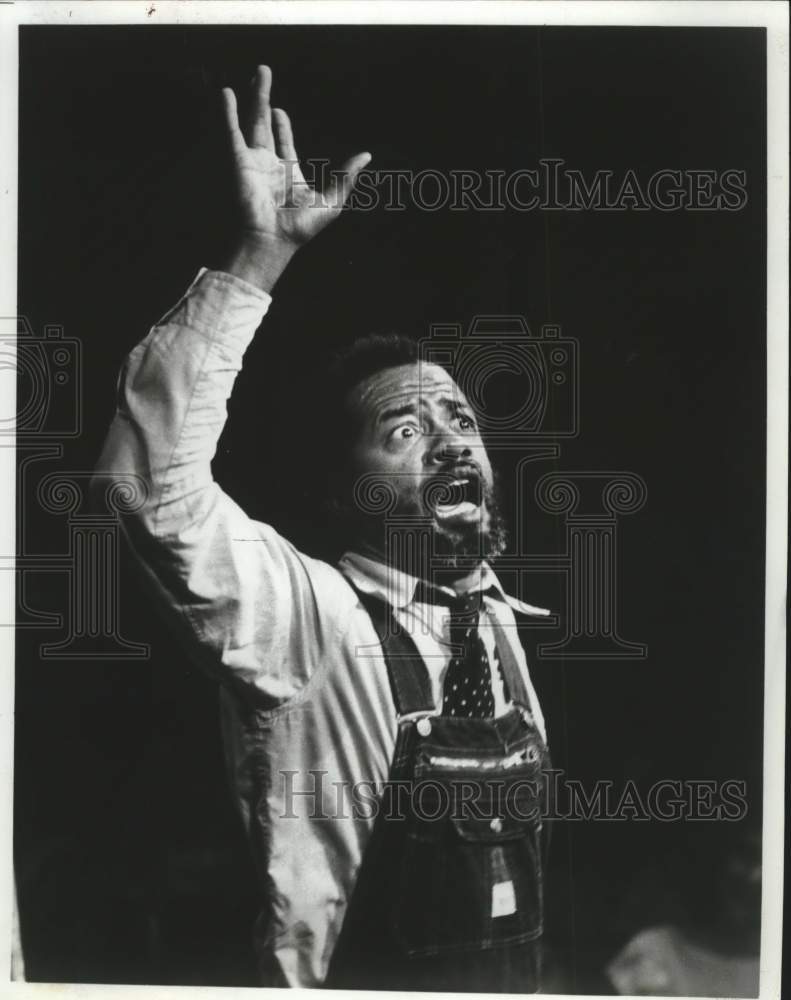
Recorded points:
(259,260)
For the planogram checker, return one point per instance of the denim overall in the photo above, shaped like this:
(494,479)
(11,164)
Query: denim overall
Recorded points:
(449,895)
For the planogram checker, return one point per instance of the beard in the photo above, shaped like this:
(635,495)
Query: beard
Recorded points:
(463,546)
(410,534)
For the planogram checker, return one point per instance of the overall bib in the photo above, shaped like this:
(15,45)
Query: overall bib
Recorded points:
(449,895)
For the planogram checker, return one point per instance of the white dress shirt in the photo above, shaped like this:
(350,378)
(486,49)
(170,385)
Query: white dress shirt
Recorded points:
(306,705)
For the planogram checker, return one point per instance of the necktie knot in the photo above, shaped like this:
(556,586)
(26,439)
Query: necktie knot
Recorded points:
(464,609)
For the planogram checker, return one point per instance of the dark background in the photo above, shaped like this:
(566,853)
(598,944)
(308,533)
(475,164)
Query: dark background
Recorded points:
(130,865)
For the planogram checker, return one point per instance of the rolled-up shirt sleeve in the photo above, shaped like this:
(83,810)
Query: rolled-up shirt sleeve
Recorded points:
(243,594)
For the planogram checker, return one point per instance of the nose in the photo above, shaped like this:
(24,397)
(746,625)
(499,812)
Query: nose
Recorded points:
(447,447)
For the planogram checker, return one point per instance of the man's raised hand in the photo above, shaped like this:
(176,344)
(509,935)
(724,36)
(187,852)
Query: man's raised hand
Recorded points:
(279,210)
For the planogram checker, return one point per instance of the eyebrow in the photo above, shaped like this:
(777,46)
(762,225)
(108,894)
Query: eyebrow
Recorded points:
(396,411)
(453,406)
(456,406)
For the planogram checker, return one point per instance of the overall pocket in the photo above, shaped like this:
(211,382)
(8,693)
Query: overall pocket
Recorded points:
(471,876)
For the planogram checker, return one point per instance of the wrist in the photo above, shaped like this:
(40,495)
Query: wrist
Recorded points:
(259,259)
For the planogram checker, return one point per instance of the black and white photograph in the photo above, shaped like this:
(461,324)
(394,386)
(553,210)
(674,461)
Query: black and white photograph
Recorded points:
(394,418)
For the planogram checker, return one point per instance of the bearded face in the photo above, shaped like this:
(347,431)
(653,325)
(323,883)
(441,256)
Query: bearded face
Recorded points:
(421,470)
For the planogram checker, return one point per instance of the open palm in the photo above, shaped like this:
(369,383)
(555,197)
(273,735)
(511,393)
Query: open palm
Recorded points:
(275,200)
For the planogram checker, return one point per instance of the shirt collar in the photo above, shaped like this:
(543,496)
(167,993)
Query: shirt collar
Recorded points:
(398,588)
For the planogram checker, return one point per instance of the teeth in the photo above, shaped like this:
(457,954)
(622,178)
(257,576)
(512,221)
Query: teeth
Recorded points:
(463,507)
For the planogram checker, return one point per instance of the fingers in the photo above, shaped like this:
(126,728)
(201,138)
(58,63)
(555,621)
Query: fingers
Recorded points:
(343,180)
(231,114)
(284,136)
(260,127)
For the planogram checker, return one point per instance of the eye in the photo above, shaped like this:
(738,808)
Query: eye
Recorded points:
(404,433)
(467,423)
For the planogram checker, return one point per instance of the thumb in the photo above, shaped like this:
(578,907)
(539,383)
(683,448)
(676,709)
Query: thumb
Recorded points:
(343,180)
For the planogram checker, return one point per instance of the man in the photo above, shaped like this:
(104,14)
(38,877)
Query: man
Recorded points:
(344,686)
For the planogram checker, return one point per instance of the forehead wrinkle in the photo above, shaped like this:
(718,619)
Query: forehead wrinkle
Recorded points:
(405,403)
(413,387)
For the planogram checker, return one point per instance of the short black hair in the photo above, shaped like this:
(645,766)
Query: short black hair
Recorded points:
(367,356)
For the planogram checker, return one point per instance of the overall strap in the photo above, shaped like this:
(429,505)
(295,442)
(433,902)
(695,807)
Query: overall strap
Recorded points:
(409,679)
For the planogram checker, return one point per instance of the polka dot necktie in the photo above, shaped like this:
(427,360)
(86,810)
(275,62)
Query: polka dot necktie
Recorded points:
(467,692)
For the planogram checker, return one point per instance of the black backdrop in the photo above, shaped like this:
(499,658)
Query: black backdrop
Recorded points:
(130,865)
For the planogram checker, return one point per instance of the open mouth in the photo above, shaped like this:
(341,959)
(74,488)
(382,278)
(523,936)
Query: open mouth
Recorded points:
(455,495)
